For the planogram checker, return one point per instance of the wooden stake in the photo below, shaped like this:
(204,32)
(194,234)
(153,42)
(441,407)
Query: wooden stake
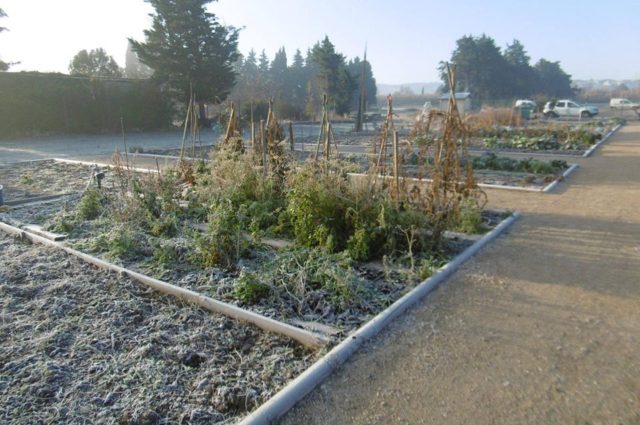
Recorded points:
(291,141)
(263,142)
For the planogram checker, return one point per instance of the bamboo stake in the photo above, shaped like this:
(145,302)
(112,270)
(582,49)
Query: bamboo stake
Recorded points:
(126,150)
(327,141)
(194,127)
(186,125)
(396,177)
(304,337)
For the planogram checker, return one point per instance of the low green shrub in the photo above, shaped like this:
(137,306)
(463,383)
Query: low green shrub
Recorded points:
(224,242)
(470,220)
(90,205)
(164,254)
(123,243)
(248,289)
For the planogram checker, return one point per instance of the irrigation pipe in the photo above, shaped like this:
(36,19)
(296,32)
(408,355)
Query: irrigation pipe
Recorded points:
(604,139)
(305,337)
(286,398)
(556,182)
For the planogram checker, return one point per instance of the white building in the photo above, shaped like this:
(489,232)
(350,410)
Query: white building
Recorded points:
(462,98)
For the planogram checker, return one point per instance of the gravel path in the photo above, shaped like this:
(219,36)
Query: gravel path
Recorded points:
(543,327)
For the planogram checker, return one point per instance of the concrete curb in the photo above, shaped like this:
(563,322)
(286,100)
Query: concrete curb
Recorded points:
(503,187)
(516,188)
(297,389)
(557,181)
(530,154)
(99,164)
(604,139)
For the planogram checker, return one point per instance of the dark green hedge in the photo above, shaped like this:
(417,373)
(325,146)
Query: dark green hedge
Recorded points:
(36,103)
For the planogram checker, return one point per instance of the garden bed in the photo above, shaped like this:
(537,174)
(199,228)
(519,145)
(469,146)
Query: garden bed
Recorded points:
(334,293)
(79,344)
(37,179)
(556,139)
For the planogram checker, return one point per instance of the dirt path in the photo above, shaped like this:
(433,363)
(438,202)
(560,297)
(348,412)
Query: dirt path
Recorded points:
(543,327)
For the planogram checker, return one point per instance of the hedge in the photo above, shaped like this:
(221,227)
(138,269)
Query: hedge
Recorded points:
(33,103)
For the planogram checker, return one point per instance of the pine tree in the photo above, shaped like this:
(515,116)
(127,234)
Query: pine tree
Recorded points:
(333,77)
(188,48)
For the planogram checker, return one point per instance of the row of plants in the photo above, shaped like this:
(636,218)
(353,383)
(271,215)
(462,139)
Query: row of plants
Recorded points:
(491,161)
(336,226)
(576,141)
(553,137)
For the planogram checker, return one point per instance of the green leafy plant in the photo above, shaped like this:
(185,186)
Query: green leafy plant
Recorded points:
(224,242)
(470,220)
(122,243)
(248,288)
(164,254)
(90,205)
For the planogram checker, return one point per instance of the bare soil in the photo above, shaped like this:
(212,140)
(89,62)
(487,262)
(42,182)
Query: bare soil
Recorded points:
(84,346)
(31,179)
(543,327)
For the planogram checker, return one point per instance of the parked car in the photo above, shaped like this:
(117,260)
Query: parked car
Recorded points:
(568,108)
(621,103)
(525,103)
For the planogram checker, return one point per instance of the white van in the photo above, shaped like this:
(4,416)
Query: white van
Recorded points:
(621,103)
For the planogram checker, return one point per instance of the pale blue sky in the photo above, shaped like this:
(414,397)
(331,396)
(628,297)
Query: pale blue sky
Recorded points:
(406,38)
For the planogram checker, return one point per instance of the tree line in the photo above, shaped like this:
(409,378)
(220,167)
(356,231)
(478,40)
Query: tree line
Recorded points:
(490,73)
(187,50)
(297,87)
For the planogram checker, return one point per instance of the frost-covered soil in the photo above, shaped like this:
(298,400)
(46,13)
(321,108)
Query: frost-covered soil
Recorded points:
(33,179)
(79,345)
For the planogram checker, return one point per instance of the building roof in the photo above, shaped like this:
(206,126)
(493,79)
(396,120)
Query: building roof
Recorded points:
(461,95)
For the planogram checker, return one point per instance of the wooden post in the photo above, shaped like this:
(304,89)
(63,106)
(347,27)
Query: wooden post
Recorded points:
(263,142)
(291,141)
(253,136)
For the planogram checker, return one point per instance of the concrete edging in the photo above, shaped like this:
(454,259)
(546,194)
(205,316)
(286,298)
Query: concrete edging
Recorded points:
(557,181)
(604,139)
(297,389)
(100,164)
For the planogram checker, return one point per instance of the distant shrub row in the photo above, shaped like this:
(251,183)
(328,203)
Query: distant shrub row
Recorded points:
(37,103)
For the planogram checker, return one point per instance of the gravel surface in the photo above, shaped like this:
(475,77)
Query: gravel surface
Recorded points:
(80,345)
